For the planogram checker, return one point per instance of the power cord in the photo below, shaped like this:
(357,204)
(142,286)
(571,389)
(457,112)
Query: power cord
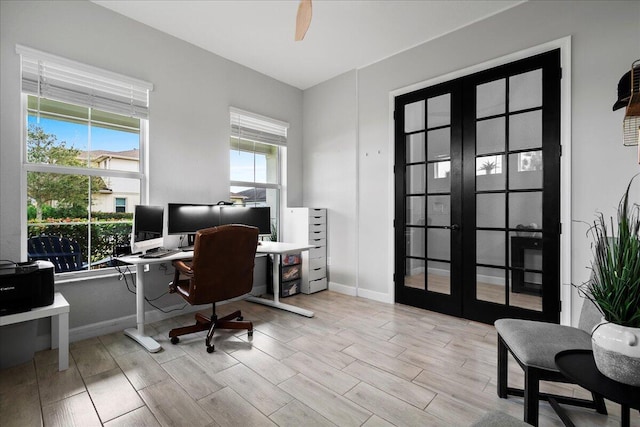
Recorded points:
(127,272)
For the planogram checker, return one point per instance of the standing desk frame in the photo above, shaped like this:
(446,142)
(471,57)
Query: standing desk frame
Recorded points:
(277,249)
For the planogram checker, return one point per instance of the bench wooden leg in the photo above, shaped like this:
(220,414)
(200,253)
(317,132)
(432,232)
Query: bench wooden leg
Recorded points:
(503,362)
(531,396)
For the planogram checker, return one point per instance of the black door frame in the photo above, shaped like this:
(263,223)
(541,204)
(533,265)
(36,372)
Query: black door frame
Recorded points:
(463,289)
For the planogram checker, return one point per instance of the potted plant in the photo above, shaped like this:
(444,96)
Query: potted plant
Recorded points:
(615,288)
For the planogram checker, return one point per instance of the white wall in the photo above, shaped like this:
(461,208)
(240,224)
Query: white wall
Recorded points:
(188,128)
(605,40)
(329,166)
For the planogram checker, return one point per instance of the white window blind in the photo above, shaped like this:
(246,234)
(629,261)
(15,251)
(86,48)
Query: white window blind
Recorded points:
(53,77)
(254,127)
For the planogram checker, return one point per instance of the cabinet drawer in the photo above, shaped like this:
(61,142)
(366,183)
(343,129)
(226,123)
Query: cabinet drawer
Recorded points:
(317,211)
(314,286)
(291,259)
(317,273)
(317,227)
(318,242)
(315,263)
(290,288)
(317,219)
(314,235)
(291,272)
(318,252)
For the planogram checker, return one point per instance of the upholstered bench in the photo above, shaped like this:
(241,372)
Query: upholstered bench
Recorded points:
(534,346)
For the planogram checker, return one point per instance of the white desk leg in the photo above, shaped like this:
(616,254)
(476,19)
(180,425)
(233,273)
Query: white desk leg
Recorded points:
(275,273)
(60,338)
(276,293)
(138,333)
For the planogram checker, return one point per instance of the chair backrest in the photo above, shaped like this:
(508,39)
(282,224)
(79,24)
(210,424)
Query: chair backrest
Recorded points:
(63,252)
(223,261)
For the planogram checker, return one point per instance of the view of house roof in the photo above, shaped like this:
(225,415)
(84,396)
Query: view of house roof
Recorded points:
(100,154)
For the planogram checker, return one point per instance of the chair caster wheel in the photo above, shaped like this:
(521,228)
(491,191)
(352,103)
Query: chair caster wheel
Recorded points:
(240,319)
(250,334)
(210,349)
(175,340)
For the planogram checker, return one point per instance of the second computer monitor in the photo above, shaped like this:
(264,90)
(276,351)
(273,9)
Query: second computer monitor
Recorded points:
(189,218)
(255,216)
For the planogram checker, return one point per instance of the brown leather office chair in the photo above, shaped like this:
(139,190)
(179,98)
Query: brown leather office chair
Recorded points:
(221,269)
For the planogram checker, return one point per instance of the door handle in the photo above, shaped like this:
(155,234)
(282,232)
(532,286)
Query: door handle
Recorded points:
(453,227)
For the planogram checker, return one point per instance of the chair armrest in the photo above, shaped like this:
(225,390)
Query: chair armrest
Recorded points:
(183,267)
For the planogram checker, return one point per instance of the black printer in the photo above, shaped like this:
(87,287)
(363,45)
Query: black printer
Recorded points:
(25,285)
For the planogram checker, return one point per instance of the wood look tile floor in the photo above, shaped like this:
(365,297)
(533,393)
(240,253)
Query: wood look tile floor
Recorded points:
(356,363)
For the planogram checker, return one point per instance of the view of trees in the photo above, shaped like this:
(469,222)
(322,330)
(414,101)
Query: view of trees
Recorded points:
(67,191)
(57,204)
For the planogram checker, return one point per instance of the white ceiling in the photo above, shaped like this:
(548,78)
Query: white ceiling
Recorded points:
(344,34)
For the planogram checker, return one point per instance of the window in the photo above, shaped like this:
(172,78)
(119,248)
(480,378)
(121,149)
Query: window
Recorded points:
(84,134)
(256,150)
(121,204)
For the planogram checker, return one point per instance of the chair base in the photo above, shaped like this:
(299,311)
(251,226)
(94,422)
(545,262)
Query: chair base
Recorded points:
(531,392)
(210,324)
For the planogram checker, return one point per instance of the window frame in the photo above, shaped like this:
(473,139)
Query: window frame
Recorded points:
(260,130)
(141,175)
(277,186)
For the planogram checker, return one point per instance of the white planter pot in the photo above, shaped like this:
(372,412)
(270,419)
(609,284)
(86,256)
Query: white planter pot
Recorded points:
(616,350)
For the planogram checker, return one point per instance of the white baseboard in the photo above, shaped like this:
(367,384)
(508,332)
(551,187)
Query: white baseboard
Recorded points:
(490,280)
(259,290)
(122,323)
(364,293)
(343,289)
(439,272)
(376,296)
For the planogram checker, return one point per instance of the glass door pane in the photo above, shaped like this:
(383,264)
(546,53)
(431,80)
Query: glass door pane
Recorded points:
(509,191)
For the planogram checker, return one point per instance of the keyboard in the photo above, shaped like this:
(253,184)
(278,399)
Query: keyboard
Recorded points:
(161,253)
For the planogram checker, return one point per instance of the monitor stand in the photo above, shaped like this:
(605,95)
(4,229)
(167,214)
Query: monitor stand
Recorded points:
(191,238)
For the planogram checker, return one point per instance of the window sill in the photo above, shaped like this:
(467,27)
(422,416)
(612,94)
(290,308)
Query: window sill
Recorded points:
(82,276)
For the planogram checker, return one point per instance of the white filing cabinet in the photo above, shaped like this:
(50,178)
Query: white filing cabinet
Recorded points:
(309,225)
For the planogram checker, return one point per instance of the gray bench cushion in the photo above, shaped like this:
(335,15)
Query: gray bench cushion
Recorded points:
(536,343)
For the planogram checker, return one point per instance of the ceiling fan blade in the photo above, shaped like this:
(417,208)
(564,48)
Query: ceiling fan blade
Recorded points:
(303,20)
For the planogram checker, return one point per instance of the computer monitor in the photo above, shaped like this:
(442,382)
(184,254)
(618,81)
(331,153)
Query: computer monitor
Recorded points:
(259,216)
(148,223)
(187,218)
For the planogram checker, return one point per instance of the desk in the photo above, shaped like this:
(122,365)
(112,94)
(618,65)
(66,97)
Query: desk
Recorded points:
(276,249)
(579,366)
(59,313)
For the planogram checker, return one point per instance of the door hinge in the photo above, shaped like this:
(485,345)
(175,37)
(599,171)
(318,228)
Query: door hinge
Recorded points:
(560,306)
(394,223)
(394,277)
(560,73)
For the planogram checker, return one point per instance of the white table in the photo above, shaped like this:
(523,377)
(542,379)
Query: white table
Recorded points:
(59,313)
(277,249)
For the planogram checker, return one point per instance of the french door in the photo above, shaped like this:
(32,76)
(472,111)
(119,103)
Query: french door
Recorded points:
(477,193)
